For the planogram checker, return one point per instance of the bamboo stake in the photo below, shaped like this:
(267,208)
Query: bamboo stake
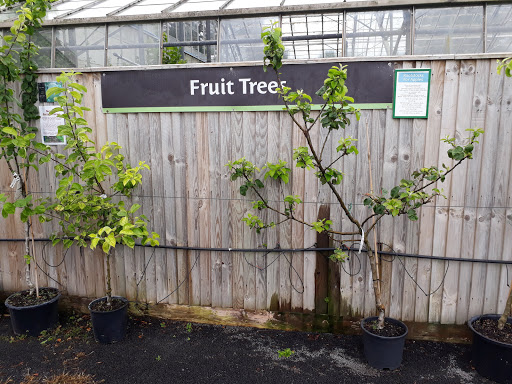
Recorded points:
(376,255)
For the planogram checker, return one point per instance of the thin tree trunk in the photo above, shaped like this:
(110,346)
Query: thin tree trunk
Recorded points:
(372,256)
(109,287)
(508,308)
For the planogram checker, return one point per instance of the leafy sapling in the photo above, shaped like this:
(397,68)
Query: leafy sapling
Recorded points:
(92,183)
(20,149)
(334,116)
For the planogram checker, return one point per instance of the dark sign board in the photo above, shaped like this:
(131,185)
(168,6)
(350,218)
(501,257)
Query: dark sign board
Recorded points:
(368,82)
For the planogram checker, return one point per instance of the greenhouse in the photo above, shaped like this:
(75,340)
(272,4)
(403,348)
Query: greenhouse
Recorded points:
(103,33)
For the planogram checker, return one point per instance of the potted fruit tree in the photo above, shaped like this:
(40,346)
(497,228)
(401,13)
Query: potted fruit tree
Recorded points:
(89,201)
(21,153)
(383,337)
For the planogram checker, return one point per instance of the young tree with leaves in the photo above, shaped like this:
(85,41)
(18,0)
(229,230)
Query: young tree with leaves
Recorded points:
(404,199)
(20,150)
(91,184)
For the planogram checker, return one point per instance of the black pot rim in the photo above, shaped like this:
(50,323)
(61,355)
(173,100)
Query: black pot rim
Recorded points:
(367,319)
(124,299)
(488,315)
(10,306)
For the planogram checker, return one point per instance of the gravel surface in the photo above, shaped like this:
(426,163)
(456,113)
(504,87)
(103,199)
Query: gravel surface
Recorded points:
(158,351)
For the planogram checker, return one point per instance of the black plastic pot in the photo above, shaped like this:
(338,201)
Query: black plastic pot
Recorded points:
(383,352)
(109,327)
(492,359)
(34,319)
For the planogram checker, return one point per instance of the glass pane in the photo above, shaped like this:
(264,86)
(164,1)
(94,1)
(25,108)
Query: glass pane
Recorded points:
(99,10)
(78,47)
(43,39)
(499,28)
(148,6)
(200,5)
(65,7)
(308,2)
(299,27)
(448,30)
(240,39)
(382,33)
(204,31)
(253,4)
(134,44)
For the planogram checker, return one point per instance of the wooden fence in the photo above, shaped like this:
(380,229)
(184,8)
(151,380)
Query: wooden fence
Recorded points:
(190,201)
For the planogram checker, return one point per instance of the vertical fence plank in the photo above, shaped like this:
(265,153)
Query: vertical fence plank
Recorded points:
(179,151)
(457,180)
(274,123)
(448,120)
(261,238)
(479,101)
(216,204)
(167,272)
(203,174)
(225,207)
(500,191)
(237,210)
(427,213)
(488,144)
(285,239)
(158,263)
(191,132)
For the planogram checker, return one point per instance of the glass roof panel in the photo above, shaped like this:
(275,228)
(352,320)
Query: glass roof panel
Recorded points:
(200,5)
(147,6)
(65,7)
(308,2)
(237,4)
(99,10)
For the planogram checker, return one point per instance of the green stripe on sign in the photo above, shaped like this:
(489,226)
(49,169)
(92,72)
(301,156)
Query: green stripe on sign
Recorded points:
(245,108)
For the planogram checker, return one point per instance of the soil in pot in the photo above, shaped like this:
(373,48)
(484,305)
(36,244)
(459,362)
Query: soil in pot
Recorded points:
(489,328)
(102,306)
(25,299)
(390,329)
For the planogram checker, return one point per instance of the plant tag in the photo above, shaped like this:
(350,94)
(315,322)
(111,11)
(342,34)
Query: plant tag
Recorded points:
(15,180)
(362,241)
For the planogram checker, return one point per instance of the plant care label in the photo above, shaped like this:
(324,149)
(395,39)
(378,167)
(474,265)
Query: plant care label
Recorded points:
(411,93)
(50,126)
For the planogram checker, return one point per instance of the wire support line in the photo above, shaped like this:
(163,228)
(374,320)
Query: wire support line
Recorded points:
(288,250)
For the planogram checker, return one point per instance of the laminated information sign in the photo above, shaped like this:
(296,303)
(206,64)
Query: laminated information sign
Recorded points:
(411,93)
(50,126)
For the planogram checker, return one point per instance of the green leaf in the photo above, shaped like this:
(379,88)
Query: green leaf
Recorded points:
(134,208)
(10,131)
(111,240)
(8,209)
(128,241)
(411,214)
